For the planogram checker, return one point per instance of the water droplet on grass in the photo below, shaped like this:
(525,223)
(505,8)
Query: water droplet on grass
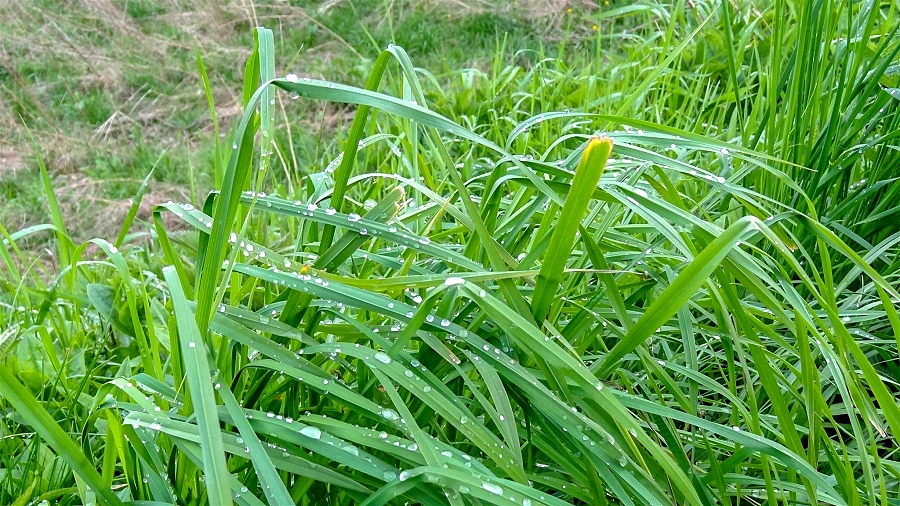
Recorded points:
(492,488)
(311,432)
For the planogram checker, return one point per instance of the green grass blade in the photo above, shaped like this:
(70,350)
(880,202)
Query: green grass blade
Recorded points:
(678,293)
(272,486)
(29,408)
(588,173)
(218,169)
(133,209)
(196,368)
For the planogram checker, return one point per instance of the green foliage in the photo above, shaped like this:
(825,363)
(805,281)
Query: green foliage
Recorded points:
(463,299)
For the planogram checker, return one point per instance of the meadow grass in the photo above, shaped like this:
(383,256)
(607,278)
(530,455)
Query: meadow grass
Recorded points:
(110,89)
(659,268)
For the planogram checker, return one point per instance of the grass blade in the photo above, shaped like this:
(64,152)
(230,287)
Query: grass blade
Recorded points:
(588,173)
(678,293)
(196,368)
(27,406)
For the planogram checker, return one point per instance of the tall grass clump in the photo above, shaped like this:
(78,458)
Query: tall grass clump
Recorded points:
(520,301)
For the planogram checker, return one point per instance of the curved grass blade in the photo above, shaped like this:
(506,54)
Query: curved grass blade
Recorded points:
(678,293)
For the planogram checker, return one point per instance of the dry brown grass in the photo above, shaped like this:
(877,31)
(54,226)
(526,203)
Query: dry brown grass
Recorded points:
(88,215)
(94,46)
(142,75)
(98,46)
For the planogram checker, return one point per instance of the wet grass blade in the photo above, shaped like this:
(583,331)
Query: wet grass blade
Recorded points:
(678,293)
(29,408)
(196,367)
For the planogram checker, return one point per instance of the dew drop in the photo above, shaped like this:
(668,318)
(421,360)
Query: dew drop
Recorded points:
(492,488)
(311,432)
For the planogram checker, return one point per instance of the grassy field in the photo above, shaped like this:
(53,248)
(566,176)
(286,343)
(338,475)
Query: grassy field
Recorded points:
(457,253)
(110,90)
